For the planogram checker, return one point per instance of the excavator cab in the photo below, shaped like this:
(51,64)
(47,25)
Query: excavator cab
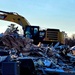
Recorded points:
(34,33)
(31,31)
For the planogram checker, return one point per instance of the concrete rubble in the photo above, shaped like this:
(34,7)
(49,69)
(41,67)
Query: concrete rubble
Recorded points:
(47,59)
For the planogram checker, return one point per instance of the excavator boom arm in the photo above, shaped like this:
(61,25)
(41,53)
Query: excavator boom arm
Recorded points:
(14,17)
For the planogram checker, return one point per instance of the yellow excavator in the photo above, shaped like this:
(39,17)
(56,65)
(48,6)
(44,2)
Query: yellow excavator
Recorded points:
(33,32)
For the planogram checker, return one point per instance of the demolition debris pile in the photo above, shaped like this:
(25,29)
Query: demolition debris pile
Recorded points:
(47,59)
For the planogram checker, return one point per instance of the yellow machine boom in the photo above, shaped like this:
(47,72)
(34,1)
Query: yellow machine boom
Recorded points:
(14,17)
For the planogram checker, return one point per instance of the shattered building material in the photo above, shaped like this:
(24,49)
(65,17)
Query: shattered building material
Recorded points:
(47,59)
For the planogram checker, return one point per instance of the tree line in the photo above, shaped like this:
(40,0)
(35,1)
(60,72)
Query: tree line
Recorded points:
(70,41)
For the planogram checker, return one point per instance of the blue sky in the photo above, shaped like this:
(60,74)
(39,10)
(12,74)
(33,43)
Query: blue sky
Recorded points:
(58,14)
